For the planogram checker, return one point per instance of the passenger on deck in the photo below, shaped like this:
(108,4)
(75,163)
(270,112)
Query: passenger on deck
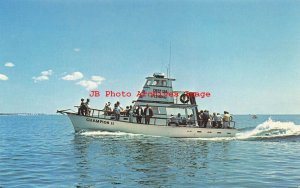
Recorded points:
(226,120)
(190,120)
(183,120)
(173,121)
(214,120)
(117,112)
(148,114)
(219,120)
(139,113)
(131,111)
(87,107)
(128,109)
(107,109)
(81,108)
(200,115)
(179,118)
(118,104)
(205,118)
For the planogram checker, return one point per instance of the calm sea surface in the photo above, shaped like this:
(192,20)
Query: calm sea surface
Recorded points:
(44,151)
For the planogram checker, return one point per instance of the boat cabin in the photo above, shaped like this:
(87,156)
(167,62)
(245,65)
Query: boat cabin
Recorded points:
(165,103)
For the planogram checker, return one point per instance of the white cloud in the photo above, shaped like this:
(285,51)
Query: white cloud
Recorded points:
(40,78)
(3,77)
(98,79)
(46,73)
(76,49)
(73,76)
(44,76)
(91,84)
(88,84)
(9,64)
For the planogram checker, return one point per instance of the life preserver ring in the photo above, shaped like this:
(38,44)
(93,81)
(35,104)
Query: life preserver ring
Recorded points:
(184,98)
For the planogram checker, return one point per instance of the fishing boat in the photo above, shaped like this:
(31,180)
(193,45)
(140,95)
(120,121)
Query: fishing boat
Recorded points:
(175,114)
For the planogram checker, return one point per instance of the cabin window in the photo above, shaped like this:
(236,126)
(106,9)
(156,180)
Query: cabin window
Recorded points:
(162,110)
(156,83)
(155,110)
(148,83)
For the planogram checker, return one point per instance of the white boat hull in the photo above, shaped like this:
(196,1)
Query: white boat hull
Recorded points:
(84,123)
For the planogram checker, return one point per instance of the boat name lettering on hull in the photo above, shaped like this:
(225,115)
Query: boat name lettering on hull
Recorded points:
(98,121)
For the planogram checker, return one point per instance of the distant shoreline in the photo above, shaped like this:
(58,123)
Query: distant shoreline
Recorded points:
(26,114)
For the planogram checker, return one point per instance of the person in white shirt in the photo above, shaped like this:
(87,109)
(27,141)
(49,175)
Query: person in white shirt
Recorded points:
(117,112)
(139,113)
(226,120)
(219,120)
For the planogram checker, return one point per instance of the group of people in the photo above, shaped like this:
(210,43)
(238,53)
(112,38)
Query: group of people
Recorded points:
(181,120)
(216,120)
(138,112)
(147,112)
(84,108)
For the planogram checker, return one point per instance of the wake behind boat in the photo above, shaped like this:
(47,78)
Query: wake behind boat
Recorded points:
(159,102)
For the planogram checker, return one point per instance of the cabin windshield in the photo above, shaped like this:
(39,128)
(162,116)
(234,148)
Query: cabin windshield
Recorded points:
(156,82)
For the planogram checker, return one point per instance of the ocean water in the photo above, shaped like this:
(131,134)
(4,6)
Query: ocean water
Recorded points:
(44,151)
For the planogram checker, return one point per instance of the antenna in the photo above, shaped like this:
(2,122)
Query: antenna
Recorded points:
(169,67)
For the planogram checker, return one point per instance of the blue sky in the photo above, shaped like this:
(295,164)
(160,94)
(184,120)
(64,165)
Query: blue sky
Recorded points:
(246,53)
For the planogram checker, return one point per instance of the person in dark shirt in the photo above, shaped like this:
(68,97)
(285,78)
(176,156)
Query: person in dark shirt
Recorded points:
(139,113)
(205,118)
(81,108)
(148,114)
(87,107)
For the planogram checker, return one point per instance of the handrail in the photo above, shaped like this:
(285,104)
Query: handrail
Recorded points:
(233,124)
(92,108)
(123,114)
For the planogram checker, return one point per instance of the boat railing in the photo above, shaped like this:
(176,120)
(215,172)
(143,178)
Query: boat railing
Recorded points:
(93,112)
(230,124)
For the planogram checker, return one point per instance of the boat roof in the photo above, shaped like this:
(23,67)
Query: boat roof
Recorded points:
(182,106)
(171,105)
(161,78)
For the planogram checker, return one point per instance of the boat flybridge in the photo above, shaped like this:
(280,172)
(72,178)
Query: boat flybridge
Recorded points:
(175,114)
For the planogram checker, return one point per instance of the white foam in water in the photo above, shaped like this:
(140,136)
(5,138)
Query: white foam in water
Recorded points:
(271,129)
(214,138)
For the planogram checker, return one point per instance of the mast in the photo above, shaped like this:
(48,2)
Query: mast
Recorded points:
(169,67)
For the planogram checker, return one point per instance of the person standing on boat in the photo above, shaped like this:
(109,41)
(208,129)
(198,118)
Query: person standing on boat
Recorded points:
(139,113)
(226,120)
(117,112)
(219,120)
(148,114)
(214,120)
(200,115)
(87,108)
(130,114)
(107,109)
(205,118)
(81,108)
